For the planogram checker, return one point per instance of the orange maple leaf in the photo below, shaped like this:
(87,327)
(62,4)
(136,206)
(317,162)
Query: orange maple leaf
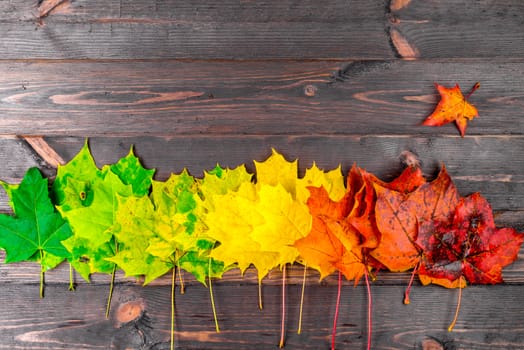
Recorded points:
(453,106)
(399,213)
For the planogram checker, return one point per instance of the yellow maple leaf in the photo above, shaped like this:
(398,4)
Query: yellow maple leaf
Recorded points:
(285,221)
(231,223)
(277,170)
(332,181)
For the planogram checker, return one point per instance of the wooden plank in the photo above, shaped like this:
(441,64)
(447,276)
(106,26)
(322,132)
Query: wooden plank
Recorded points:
(491,317)
(452,29)
(194,10)
(283,30)
(173,98)
(187,29)
(485,169)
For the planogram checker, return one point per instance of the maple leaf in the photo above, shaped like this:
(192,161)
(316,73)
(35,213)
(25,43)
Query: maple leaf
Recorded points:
(218,181)
(398,214)
(277,170)
(179,233)
(332,181)
(71,188)
(86,197)
(231,224)
(321,249)
(131,172)
(285,220)
(36,229)
(453,106)
(134,228)
(469,245)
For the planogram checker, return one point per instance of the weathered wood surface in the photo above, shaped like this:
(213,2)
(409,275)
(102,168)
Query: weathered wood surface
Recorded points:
(364,97)
(193,83)
(338,29)
(139,320)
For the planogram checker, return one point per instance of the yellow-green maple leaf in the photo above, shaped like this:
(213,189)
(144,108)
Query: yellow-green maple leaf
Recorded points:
(179,234)
(134,227)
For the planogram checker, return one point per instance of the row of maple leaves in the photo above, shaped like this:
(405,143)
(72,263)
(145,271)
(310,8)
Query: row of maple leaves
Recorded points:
(119,216)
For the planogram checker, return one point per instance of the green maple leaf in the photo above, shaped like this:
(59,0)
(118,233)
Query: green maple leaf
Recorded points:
(36,230)
(130,171)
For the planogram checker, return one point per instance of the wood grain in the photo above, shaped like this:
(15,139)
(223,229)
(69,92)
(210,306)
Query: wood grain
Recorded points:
(173,98)
(66,320)
(191,83)
(465,29)
(187,29)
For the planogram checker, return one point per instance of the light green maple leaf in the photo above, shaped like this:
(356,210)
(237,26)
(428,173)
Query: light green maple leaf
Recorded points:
(74,179)
(88,258)
(92,221)
(134,228)
(86,197)
(36,230)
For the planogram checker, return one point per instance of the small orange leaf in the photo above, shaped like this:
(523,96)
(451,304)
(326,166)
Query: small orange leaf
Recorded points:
(453,106)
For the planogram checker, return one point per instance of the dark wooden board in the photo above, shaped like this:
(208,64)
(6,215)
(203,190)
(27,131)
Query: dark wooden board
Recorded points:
(450,28)
(194,83)
(370,97)
(490,318)
(185,29)
(270,30)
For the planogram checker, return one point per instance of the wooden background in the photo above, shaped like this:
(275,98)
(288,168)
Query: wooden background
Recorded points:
(192,82)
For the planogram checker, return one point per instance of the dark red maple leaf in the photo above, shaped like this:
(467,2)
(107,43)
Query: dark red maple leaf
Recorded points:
(468,246)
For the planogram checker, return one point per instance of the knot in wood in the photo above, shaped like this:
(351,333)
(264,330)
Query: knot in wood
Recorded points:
(130,311)
(310,90)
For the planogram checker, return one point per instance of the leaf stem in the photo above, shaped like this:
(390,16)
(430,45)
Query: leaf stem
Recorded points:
(112,283)
(260,305)
(282,325)
(180,277)
(473,89)
(212,298)
(452,325)
(337,307)
(42,281)
(410,283)
(182,285)
(111,288)
(71,278)
(42,274)
(370,306)
(173,278)
(302,299)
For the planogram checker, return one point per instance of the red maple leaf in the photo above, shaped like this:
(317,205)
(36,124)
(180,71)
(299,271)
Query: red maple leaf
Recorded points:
(468,246)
